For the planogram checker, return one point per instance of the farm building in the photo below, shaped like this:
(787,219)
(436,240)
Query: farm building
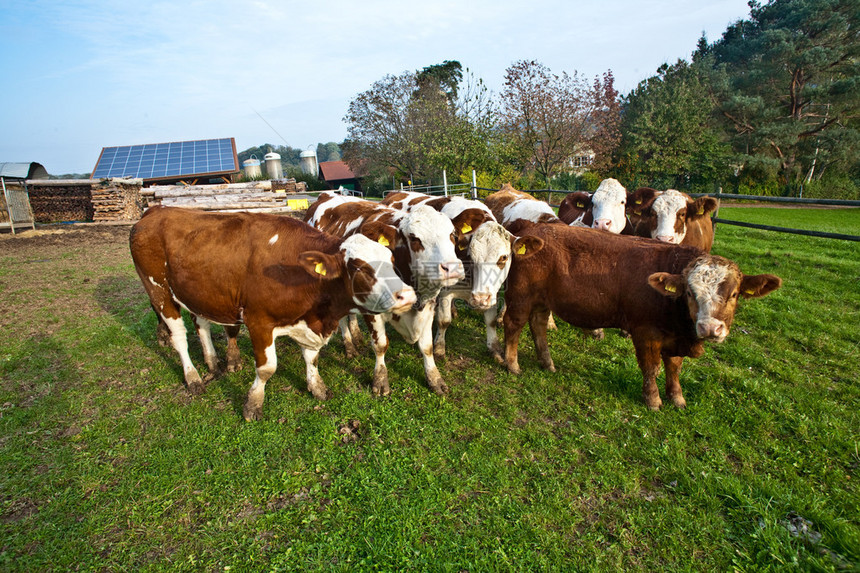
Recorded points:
(338,174)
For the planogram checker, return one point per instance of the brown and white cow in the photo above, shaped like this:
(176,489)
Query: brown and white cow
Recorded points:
(426,259)
(670,298)
(673,217)
(605,209)
(276,275)
(484,246)
(516,210)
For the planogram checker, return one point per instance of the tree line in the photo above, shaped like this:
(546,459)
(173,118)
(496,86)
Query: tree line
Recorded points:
(769,108)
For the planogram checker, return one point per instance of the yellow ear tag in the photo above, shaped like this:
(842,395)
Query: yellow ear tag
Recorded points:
(580,205)
(638,201)
(749,291)
(466,228)
(383,241)
(521,250)
(701,211)
(638,212)
(670,288)
(320,269)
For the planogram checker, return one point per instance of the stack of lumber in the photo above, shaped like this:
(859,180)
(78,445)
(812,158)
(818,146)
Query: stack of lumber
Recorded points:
(289,186)
(256,196)
(55,200)
(117,200)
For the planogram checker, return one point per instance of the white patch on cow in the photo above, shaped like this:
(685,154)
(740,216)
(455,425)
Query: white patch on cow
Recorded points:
(703,281)
(152,280)
(273,240)
(459,204)
(526,209)
(304,336)
(608,206)
(666,207)
(179,339)
(386,288)
(436,264)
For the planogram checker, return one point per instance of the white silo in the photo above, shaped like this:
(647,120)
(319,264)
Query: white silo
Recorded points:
(309,163)
(273,166)
(252,168)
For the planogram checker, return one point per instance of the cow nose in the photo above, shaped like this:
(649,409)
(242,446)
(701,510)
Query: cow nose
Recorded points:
(666,238)
(603,224)
(405,297)
(711,330)
(453,270)
(481,300)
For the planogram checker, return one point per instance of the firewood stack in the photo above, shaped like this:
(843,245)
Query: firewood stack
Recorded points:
(117,200)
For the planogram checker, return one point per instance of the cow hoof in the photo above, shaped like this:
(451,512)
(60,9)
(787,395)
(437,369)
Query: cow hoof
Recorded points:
(380,382)
(234,366)
(596,334)
(195,384)
(654,403)
(321,393)
(252,413)
(679,401)
(514,368)
(438,353)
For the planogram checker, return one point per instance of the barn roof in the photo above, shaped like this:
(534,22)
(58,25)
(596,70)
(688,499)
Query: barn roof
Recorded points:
(30,170)
(335,171)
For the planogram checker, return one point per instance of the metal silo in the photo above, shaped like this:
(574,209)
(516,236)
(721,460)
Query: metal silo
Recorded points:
(309,163)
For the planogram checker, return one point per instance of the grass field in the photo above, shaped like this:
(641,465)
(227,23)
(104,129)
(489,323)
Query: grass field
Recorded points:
(106,462)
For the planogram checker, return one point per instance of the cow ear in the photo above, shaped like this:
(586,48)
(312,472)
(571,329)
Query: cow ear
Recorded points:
(754,286)
(321,265)
(464,226)
(580,199)
(385,235)
(701,207)
(524,247)
(667,284)
(641,199)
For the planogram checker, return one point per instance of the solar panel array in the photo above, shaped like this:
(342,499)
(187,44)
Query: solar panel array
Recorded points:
(168,160)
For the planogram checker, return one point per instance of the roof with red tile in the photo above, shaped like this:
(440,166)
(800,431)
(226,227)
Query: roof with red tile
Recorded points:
(335,171)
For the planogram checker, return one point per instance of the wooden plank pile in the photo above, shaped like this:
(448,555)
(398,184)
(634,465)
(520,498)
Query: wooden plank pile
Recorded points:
(256,196)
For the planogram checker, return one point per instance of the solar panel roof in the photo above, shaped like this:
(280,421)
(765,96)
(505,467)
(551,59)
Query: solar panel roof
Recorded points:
(168,160)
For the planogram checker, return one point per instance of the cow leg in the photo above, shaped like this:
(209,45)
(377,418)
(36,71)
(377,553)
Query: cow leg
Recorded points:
(346,332)
(379,339)
(234,357)
(425,344)
(266,361)
(316,386)
(538,322)
(673,381)
(179,340)
(647,347)
(162,333)
(443,321)
(204,333)
(493,344)
(515,319)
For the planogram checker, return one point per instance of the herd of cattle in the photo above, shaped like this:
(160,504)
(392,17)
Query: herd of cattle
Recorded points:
(637,261)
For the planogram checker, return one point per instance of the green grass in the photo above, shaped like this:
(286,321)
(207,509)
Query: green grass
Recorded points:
(108,464)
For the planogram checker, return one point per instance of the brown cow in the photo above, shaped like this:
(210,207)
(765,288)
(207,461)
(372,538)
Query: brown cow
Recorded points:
(276,275)
(484,246)
(670,298)
(516,210)
(605,209)
(425,257)
(673,217)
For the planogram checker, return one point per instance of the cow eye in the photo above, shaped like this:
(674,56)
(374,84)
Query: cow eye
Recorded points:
(503,259)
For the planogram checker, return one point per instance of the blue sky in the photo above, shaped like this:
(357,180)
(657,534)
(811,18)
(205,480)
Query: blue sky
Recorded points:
(80,75)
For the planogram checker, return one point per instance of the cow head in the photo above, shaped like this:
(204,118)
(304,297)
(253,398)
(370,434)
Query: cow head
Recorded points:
(367,270)
(490,254)
(385,235)
(608,206)
(711,286)
(465,224)
(669,213)
(429,235)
